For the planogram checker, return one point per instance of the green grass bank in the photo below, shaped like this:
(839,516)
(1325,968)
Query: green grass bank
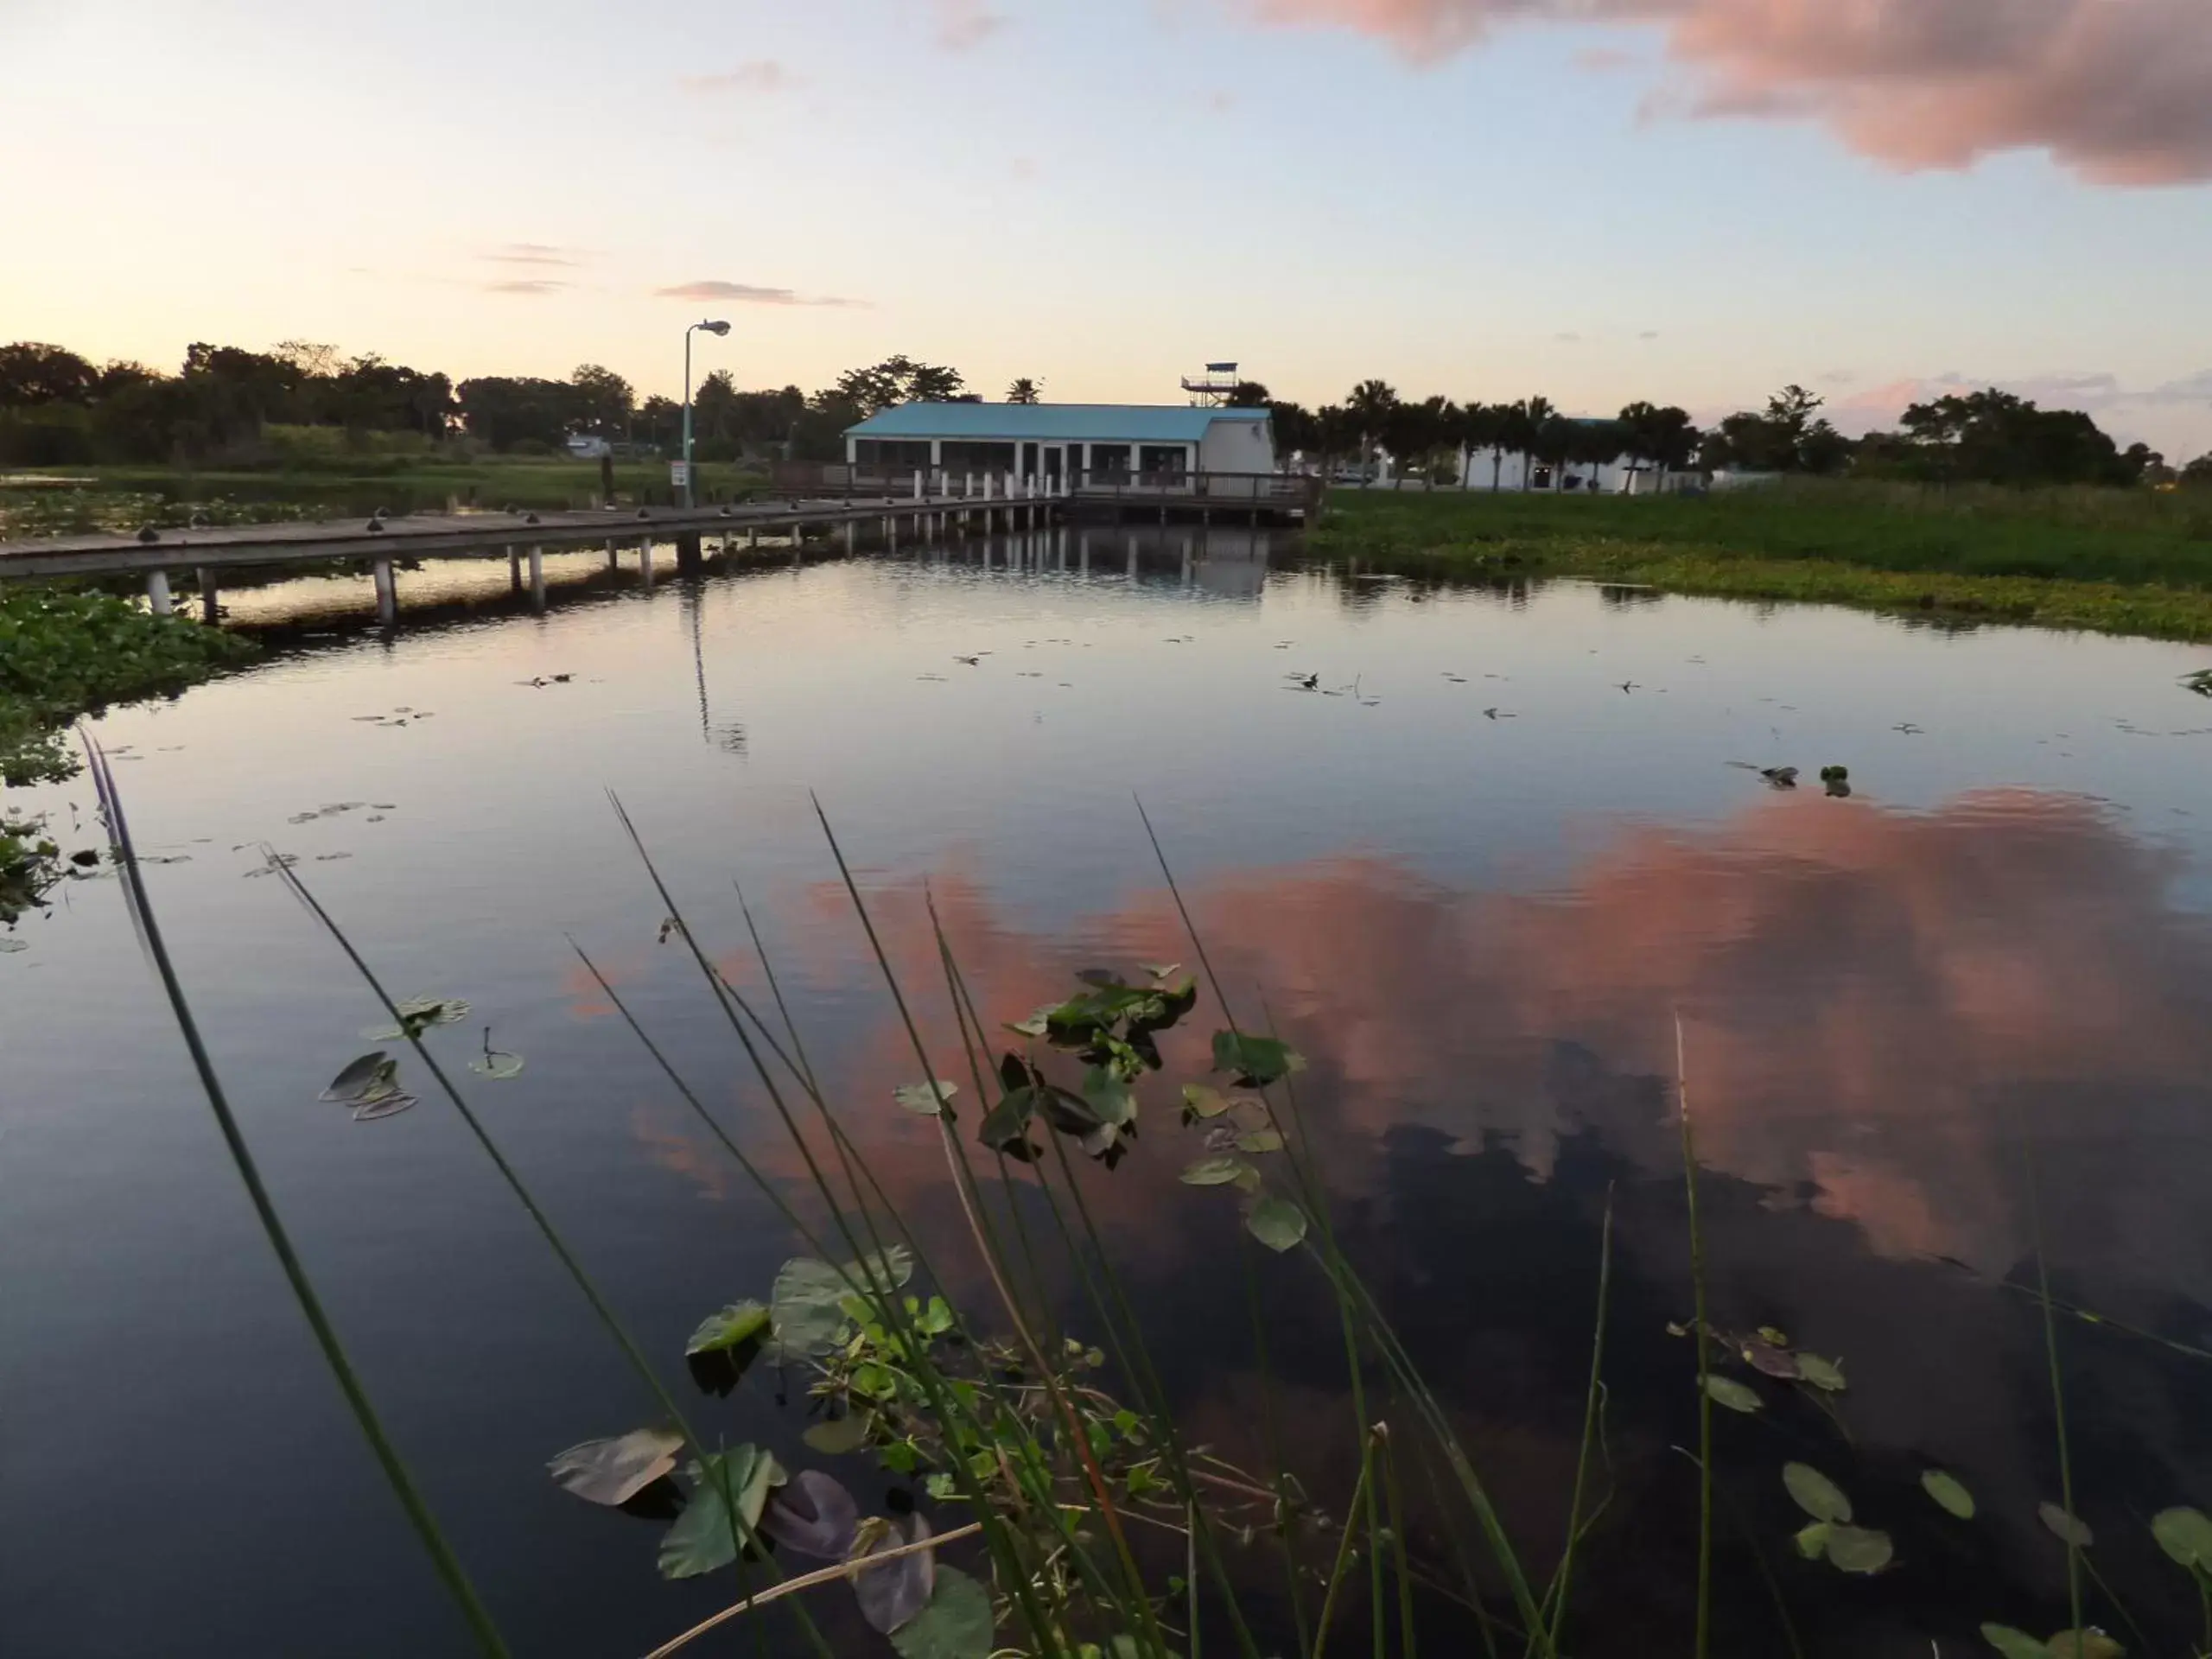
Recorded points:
(2118,562)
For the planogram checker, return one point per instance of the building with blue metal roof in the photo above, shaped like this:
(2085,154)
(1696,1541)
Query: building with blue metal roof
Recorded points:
(1051,441)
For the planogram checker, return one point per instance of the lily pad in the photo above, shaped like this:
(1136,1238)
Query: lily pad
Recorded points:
(614,1471)
(2091,1643)
(2067,1528)
(2185,1534)
(2013,1644)
(1946,1490)
(1814,1493)
(738,1324)
(929,1099)
(1254,1062)
(10,946)
(703,1538)
(1161,970)
(1812,1540)
(418,1014)
(1213,1171)
(1826,1374)
(1770,1361)
(1728,1391)
(1276,1223)
(497,1063)
(1201,1101)
(894,1595)
(956,1623)
(1858,1549)
(806,1307)
(1034,1026)
(1109,1097)
(835,1436)
(1259,1141)
(813,1516)
(361,1078)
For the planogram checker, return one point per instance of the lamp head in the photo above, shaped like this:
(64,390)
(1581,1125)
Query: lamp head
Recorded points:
(715,327)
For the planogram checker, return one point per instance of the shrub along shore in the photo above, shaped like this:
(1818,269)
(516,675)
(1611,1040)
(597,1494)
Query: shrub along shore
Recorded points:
(2132,562)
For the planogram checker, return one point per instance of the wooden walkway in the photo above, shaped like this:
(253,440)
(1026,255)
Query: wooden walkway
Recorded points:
(480,533)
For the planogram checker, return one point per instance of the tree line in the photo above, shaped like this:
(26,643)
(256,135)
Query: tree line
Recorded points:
(60,409)
(1988,436)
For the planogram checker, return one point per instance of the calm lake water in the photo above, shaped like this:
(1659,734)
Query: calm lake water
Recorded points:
(1478,890)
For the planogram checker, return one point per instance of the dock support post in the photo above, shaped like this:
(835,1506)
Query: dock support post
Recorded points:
(613,557)
(387,593)
(158,593)
(688,554)
(210,610)
(645,562)
(918,483)
(514,570)
(850,539)
(538,578)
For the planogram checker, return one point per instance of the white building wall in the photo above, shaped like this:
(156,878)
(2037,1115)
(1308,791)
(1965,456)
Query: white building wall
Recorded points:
(1621,476)
(1238,447)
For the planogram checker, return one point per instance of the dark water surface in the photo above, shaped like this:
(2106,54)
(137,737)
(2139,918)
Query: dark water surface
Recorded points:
(1993,961)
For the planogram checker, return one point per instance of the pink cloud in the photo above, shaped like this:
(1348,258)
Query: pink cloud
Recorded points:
(760,75)
(745,294)
(962,24)
(2119,91)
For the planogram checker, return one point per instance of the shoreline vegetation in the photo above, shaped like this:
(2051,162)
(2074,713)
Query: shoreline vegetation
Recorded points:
(64,655)
(2133,562)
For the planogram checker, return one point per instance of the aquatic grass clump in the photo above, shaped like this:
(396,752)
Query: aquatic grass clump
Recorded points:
(1036,1429)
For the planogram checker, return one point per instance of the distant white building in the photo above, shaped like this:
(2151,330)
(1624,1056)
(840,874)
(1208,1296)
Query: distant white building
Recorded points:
(1050,441)
(585,447)
(1510,469)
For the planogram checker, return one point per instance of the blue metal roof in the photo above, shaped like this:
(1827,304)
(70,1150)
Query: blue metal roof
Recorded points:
(1050,422)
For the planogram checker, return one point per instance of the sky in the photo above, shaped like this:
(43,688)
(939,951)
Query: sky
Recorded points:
(1692,201)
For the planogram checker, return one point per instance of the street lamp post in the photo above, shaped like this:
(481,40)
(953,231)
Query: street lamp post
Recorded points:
(712,327)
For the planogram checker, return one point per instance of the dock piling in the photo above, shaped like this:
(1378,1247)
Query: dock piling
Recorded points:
(158,593)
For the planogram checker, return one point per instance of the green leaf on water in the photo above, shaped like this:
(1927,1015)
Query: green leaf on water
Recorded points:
(1728,1391)
(1034,1026)
(1276,1223)
(2067,1528)
(838,1435)
(806,1308)
(1109,1097)
(362,1079)
(1214,1172)
(1812,1540)
(418,1014)
(497,1063)
(1823,1374)
(703,1538)
(1814,1493)
(614,1471)
(919,1098)
(1201,1101)
(1160,969)
(2091,1643)
(1858,1549)
(1946,1490)
(739,1323)
(1259,1141)
(1254,1062)
(956,1624)
(2185,1534)
(2013,1644)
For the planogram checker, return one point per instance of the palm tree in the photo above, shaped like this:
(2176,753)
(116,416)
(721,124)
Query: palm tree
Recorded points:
(1555,441)
(1023,391)
(1370,404)
(1484,426)
(1524,420)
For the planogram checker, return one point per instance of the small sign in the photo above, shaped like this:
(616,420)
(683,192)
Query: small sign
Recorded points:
(679,473)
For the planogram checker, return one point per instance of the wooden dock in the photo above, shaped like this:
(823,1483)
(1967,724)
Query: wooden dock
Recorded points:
(422,536)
